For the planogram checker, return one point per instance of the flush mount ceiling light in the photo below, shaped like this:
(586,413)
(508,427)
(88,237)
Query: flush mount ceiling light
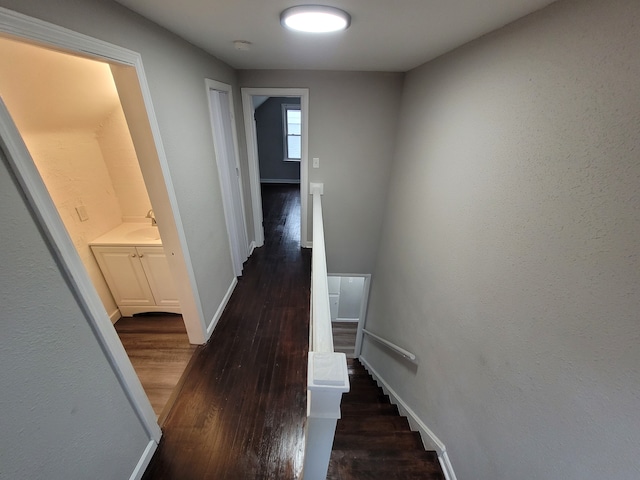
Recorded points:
(315,19)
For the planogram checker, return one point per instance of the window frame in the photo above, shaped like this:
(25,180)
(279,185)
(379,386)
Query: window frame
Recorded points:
(285,131)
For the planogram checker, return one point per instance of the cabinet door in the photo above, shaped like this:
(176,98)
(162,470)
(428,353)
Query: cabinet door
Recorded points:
(123,272)
(160,280)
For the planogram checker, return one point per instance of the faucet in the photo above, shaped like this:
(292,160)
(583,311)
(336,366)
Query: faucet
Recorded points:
(151,215)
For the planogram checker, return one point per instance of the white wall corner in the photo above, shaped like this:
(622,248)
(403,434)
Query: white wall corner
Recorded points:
(221,307)
(115,316)
(429,439)
(143,463)
(316,188)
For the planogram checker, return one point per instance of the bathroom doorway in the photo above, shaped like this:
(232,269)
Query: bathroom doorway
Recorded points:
(75,129)
(128,75)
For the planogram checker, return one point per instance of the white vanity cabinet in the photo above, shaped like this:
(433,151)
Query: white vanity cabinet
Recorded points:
(138,277)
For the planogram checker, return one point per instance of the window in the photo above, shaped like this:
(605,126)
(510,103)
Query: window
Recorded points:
(292,133)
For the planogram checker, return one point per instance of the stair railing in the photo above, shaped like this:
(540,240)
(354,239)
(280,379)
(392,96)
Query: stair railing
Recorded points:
(327,376)
(392,346)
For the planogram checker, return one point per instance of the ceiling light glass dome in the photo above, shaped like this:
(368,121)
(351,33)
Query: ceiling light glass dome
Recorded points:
(315,19)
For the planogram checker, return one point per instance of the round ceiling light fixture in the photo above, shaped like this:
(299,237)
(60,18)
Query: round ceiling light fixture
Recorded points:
(315,19)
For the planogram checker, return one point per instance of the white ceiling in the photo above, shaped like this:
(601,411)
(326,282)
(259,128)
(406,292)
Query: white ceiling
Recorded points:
(385,35)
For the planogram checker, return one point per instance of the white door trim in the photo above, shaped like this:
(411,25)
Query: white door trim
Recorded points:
(234,213)
(252,151)
(38,31)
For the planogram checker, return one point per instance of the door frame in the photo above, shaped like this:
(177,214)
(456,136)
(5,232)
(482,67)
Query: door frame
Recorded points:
(254,166)
(128,71)
(234,214)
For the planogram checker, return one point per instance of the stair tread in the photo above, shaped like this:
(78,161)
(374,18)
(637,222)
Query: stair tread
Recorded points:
(372,441)
(366,397)
(379,423)
(384,465)
(368,409)
(401,440)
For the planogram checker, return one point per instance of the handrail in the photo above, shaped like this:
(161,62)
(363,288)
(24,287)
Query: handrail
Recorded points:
(322,336)
(327,376)
(405,353)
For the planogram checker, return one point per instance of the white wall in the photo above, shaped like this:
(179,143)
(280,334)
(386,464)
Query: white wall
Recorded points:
(122,163)
(64,412)
(175,73)
(72,167)
(509,260)
(76,132)
(352,125)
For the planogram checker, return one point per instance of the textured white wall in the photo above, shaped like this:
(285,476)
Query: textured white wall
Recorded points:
(352,125)
(74,172)
(64,412)
(81,147)
(122,163)
(175,73)
(510,256)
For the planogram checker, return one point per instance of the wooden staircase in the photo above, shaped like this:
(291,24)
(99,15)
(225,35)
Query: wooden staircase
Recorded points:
(373,441)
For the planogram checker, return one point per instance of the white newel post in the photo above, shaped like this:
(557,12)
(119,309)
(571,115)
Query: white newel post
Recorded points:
(327,380)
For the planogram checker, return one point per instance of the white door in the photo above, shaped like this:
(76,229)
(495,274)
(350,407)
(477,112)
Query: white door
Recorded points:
(225,143)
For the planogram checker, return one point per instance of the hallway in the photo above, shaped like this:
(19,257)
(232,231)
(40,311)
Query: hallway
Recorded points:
(242,408)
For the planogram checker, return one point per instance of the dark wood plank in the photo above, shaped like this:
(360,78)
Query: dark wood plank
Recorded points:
(384,465)
(344,337)
(159,350)
(242,408)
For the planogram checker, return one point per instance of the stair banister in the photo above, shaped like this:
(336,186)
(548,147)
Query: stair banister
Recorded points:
(327,377)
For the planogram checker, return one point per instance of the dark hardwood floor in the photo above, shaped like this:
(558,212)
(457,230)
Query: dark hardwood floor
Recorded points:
(241,411)
(159,350)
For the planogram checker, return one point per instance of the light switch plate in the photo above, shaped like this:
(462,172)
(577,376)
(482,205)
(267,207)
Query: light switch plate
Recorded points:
(82,213)
(316,162)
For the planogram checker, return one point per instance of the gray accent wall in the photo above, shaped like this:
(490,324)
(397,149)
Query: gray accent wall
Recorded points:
(352,128)
(270,138)
(509,261)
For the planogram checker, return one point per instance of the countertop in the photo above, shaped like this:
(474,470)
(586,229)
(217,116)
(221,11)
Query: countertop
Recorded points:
(130,234)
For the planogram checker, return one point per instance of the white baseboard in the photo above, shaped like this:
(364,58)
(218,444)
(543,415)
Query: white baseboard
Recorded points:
(292,181)
(429,439)
(115,316)
(252,247)
(223,304)
(144,460)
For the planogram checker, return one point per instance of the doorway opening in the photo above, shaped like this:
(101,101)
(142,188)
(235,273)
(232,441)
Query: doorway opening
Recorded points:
(276,124)
(348,300)
(133,90)
(75,129)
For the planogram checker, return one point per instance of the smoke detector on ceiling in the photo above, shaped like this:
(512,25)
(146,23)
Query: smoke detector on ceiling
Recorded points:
(242,45)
